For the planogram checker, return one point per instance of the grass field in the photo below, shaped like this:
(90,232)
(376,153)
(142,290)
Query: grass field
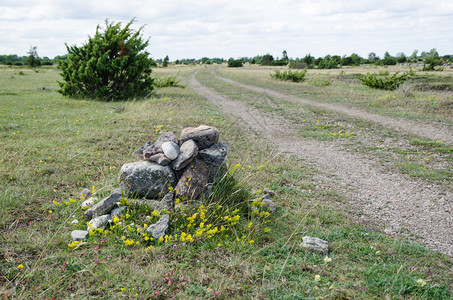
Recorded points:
(52,147)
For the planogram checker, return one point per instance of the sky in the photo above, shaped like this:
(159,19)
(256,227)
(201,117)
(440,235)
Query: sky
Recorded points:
(233,28)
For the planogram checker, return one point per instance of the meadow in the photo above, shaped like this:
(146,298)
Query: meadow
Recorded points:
(52,147)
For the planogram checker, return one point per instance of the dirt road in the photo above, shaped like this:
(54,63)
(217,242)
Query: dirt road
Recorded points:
(438,133)
(397,201)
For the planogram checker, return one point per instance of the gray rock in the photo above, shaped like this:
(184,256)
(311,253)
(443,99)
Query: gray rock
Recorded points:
(216,171)
(204,136)
(118,211)
(160,159)
(79,235)
(193,181)
(102,207)
(75,222)
(160,228)
(157,146)
(152,204)
(170,149)
(85,193)
(99,222)
(270,205)
(187,153)
(139,152)
(144,179)
(315,244)
(216,154)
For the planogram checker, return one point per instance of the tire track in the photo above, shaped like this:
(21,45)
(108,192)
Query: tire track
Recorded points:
(438,133)
(396,200)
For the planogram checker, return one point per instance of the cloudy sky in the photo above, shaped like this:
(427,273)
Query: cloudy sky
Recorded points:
(233,28)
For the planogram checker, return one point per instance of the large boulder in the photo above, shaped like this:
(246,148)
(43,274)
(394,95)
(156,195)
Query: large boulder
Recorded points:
(193,181)
(204,136)
(145,179)
(187,153)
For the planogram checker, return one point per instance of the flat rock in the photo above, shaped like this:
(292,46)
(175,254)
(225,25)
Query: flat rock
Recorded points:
(170,149)
(102,207)
(79,235)
(187,153)
(204,136)
(193,181)
(160,228)
(145,179)
(315,244)
(216,154)
(99,222)
(160,159)
(157,146)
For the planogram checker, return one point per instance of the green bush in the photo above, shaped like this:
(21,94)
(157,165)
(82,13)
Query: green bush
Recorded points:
(384,82)
(234,63)
(296,76)
(112,65)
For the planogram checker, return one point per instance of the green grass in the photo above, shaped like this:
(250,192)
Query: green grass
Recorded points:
(52,147)
(345,88)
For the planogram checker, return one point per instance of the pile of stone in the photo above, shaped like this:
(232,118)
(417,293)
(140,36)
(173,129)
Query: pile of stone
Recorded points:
(175,168)
(168,169)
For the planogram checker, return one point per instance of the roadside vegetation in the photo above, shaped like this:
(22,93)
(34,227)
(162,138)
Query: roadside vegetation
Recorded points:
(53,147)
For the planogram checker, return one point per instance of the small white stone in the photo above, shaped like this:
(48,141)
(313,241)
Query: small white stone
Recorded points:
(171,150)
(75,222)
(79,235)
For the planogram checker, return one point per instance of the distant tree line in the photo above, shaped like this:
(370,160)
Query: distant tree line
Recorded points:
(430,60)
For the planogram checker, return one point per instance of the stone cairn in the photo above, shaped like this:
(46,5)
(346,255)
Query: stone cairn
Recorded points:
(168,169)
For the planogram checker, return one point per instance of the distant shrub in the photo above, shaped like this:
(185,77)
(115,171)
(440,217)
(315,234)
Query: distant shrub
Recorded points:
(295,76)
(112,65)
(384,82)
(170,81)
(299,65)
(234,63)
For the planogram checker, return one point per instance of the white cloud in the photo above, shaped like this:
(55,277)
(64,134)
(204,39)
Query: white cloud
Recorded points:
(235,28)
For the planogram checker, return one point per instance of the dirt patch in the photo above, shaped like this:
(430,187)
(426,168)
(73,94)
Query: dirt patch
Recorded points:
(402,204)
